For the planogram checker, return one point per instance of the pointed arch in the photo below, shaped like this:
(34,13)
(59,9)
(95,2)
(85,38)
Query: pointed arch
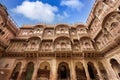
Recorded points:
(16,71)
(116,66)
(103,71)
(44,71)
(92,71)
(80,71)
(63,71)
(29,71)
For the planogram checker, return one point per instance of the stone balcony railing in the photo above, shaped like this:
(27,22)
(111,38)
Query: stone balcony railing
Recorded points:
(31,49)
(63,49)
(62,34)
(87,49)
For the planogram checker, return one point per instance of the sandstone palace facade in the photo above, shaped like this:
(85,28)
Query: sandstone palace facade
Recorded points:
(88,51)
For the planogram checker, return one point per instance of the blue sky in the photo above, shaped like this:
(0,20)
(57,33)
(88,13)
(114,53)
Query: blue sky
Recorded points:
(48,11)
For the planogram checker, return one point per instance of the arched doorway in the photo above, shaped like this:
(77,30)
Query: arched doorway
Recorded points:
(116,66)
(80,72)
(16,71)
(63,71)
(92,71)
(29,71)
(43,71)
(103,71)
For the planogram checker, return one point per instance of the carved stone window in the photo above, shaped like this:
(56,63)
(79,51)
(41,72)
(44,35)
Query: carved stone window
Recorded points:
(72,32)
(81,30)
(87,44)
(111,23)
(25,44)
(114,15)
(76,46)
(2,24)
(2,33)
(106,38)
(31,32)
(63,45)
(37,31)
(57,45)
(99,11)
(6,66)
(24,33)
(47,46)
(33,45)
(91,29)
(118,18)
(98,42)
(62,30)
(114,25)
(110,19)
(110,1)
(49,32)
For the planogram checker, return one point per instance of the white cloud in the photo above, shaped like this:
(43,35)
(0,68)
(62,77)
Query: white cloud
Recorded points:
(63,16)
(37,11)
(74,4)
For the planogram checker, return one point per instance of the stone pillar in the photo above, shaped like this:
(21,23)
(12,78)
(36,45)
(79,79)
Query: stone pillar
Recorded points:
(111,73)
(34,76)
(53,75)
(98,71)
(86,70)
(72,72)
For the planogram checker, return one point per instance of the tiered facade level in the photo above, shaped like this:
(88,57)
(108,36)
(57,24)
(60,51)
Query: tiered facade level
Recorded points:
(88,51)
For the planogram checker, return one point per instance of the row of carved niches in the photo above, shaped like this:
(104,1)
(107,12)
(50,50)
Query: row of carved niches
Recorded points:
(100,9)
(110,30)
(86,44)
(16,46)
(112,24)
(58,30)
(49,32)
(29,32)
(95,27)
(76,46)
(47,46)
(1,26)
(103,7)
(103,39)
(60,44)
(81,30)
(2,20)
(63,43)
(5,31)
(111,3)
(33,44)
(62,30)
